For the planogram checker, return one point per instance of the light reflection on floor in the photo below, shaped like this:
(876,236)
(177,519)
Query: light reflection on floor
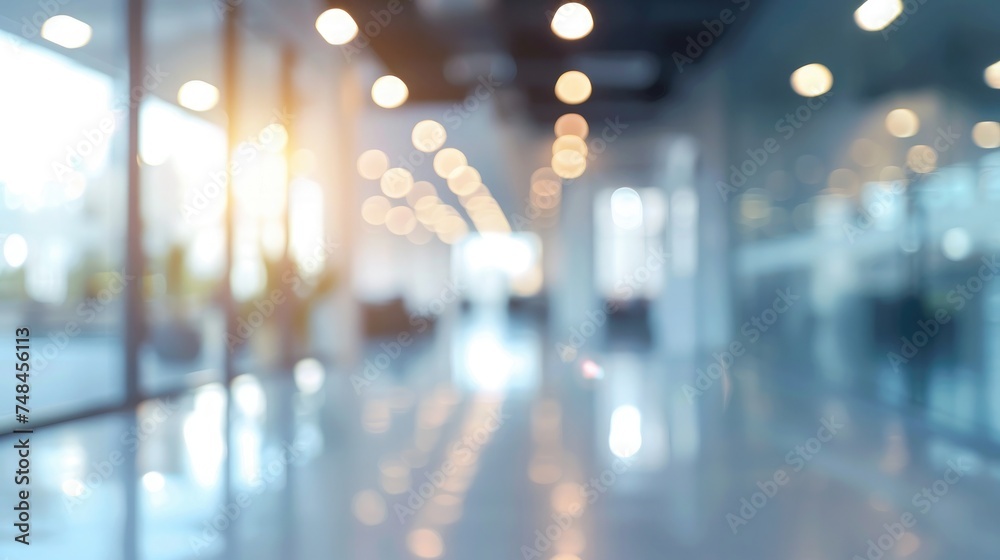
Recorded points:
(484,444)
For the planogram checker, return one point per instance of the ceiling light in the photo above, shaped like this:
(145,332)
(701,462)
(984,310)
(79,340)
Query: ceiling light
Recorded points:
(396,182)
(573,87)
(876,15)
(428,136)
(573,124)
(902,123)
(198,95)
(569,164)
(372,164)
(812,80)
(66,31)
(992,76)
(986,135)
(374,210)
(389,92)
(572,21)
(336,26)
(570,142)
(464,180)
(447,160)
(400,220)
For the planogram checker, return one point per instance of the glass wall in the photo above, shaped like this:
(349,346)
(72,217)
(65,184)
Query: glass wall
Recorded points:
(62,162)
(182,154)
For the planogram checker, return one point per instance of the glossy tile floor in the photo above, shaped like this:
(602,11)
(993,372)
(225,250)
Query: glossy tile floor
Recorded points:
(482,443)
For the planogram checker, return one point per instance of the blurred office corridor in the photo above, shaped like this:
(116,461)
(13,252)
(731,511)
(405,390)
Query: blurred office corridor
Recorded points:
(484,279)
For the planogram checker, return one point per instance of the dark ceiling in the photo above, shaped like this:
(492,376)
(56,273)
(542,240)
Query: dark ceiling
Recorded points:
(441,51)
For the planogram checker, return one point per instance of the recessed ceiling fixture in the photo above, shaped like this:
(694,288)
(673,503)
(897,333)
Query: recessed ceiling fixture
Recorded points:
(198,95)
(572,21)
(902,123)
(389,92)
(66,31)
(573,87)
(336,26)
(812,80)
(992,75)
(876,15)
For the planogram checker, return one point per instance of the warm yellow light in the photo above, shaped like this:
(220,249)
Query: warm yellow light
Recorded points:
(573,87)
(572,21)
(574,143)
(447,160)
(396,182)
(198,95)
(336,26)
(372,164)
(992,75)
(569,164)
(424,208)
(812,80)
(922,159)
(389,92)
(66,31)
(464,180)
(428,136)
(420,190)
(573,124)
(986,135)
(902,123)
(479,192)
(400,220)
(876,15)
(374,210)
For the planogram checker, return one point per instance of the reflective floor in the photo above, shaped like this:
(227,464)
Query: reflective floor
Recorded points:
(480,442)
